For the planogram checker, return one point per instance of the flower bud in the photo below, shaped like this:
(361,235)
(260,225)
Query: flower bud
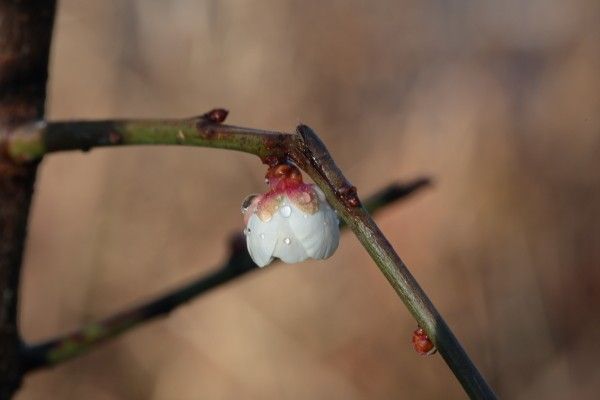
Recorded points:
(292,221)
(423,345)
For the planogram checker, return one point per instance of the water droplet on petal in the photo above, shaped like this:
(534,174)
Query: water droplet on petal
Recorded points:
(285,211)
(287,240)
(247,231)
(262,235)
(247,203)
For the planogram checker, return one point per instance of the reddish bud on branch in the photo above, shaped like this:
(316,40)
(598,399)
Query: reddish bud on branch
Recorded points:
(423,345)
(216,115)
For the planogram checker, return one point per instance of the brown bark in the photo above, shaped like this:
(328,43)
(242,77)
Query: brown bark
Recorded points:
(25,34)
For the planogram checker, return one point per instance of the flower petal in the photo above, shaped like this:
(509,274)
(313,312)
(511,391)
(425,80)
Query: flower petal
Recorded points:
(318,233)
(332,227)
(261,238)
(290,232)
(308,229)
(289,249)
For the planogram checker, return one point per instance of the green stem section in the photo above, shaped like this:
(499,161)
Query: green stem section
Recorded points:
(32,141)
(62,349)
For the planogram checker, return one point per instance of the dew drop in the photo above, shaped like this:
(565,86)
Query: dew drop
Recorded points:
(285,211)
(262,235)
(247,231)
(287,240)
(247,203)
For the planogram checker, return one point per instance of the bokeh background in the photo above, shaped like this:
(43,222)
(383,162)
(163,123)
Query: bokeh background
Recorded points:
(498,101)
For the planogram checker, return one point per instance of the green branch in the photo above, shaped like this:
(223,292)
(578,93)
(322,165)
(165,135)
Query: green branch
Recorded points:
(32,141)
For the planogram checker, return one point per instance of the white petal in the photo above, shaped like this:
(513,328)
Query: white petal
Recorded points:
(318,232)
(261,238)
(332,227)
(330,245)
(330,235)
(308,229)
(293,236)
(289,249)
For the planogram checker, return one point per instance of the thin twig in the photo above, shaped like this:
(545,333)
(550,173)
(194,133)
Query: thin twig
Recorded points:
(307,151)
(66,347)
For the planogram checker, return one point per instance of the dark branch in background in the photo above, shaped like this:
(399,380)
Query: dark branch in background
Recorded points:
(64,348)
(25,32)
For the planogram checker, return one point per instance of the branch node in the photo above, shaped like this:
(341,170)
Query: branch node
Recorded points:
(313,150)
(216,116)
(349,196)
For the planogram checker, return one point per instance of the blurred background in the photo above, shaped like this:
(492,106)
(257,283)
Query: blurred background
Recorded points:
(498,101)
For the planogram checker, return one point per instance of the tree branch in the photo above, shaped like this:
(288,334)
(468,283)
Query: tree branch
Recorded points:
(307,151)
(316,161)
(25,33)
(32,141)
(66,347)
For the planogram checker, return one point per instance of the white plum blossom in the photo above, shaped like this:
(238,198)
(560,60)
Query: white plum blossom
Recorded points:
(292,221)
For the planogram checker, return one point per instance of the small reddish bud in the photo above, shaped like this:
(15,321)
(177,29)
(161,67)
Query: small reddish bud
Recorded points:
(423,345)
(349,196)
(217,115)
(353,202)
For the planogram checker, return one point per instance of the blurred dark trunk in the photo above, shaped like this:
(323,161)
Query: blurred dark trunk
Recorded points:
(25,35)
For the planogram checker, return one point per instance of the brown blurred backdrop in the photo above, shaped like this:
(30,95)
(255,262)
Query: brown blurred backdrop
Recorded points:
(499,101)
